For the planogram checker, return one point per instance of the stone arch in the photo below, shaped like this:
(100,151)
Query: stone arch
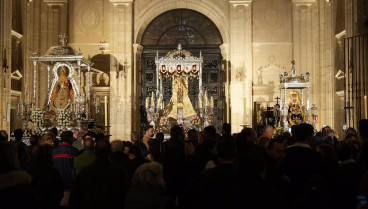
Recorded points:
(154,9)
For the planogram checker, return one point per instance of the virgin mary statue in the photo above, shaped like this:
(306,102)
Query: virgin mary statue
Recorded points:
(179,99)
(62,92)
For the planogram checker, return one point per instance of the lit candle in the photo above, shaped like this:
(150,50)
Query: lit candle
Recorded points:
(158,102)
(205,99)
(105,110)
(147,102)
(200,102)
(212,104)
(163,104)
(153,100)
(365,106)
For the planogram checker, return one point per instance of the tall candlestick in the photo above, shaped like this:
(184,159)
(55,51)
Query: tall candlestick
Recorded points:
(105,110)
(365,106)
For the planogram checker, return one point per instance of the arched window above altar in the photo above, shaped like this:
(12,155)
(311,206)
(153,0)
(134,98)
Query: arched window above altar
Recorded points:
(181,26)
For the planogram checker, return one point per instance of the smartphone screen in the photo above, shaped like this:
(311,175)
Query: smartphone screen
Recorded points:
(362,200)
(344,127)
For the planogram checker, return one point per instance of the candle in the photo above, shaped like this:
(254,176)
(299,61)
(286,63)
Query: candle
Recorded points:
(365,106)
(212,104)
(153,100)
(147,103)
(163,104)
(205,99)
(105,110)
(158,102)
(200,102)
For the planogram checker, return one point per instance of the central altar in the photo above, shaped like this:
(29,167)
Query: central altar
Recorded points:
(179,65)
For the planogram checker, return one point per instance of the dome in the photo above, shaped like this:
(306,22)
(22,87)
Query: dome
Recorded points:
(60,51)
(179,52)
(297,79)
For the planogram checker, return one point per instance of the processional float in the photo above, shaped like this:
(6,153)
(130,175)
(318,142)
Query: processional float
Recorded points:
(179,65)
(67,99)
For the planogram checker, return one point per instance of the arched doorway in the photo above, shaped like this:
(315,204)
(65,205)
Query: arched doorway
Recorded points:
(196,33)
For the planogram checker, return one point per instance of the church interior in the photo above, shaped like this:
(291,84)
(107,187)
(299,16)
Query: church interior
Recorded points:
(243,62)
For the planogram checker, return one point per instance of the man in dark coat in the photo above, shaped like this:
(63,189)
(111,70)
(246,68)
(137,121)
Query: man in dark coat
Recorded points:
(102,184)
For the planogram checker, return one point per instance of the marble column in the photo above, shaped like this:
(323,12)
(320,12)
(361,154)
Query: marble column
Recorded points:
(241,102)
(122,78)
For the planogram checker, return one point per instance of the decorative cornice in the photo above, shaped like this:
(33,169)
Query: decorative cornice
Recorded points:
(16,34)
(121,2)
(236,3)
(55,2)
(341,34)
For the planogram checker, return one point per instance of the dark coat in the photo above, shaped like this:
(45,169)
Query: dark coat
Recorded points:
(101,185)
(144,198)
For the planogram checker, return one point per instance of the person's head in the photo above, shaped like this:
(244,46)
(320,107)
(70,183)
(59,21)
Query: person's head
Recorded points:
(117,146)
(226,150)
(34,139)
(249,134)
(352,131)
(363,129)
(343,151)
(89,135)
(328,154)
(38,153)
(54,131)
(160,136)
(149,175)
(88,144)
(353,141)
(201,137)
(276,149)
(263,141)
(268,131)
(127,146)
(260,130)
(3,135)
(134,138)
(210,132)
(176,132)
(155,149)
(48,139)
(8,157)
(288,138)
(226,129)
(18,134)
(328,134)
(304,133)
(135,152)
(103,149)
(76,134)
(149,131)
(66,136)
(193,135)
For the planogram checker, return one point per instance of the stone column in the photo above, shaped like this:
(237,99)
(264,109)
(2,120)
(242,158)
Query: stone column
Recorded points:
(136,97)
(121,86)
(226,72)
(5,45)
(241,63)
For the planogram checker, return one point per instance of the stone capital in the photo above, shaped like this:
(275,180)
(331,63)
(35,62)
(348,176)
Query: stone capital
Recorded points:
(121,2)
(303,2)
(236,3)
(138,49)
(225,50)
(55,2)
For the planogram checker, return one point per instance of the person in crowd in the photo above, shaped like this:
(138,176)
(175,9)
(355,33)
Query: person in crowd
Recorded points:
(127,146)
(301,162)
(276,149)
(327,151)
(15,188)
(148,189)
(4,136)
(48,142)
(88,135)
(352,131)
(245,142)
(135,159)
(54,131)
(154,151)
(33,140)
(77,142)
(226,130)
(263,141)
(251,190)
(214,184)
(101,184)
(288,138)
(134,138)
(149,132)
(23,154)
(63,160)
(46,180)
(210,132)
(118,157)
(362,156)
(259,130)
(191,142)
(344,180)
(173,161)
(160,136)
(354,143)
(87,157)
(268,132)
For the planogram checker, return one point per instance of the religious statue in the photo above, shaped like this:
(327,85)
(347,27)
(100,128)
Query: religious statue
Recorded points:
(62,92)
(295,112)
(179,100)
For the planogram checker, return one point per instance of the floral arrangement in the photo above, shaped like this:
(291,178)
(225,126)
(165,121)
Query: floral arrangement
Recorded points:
(37,117)
(164,125)
(30,132)
(277,131)
(63,118)
(195,121)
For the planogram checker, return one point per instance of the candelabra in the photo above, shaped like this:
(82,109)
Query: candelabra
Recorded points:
(80,110)
(24,110)
(205,108)
(153,108)
(96,103)
(314,111)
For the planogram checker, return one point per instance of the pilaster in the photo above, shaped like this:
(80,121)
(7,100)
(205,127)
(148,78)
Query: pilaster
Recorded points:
(121,86)
(225,52)
(136,101)
(241,58)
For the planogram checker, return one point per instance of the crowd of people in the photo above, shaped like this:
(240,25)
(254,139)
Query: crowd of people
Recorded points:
(253,169)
